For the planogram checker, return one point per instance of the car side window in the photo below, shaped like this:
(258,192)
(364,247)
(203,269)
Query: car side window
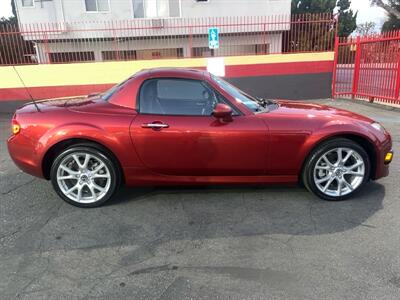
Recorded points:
(176,96)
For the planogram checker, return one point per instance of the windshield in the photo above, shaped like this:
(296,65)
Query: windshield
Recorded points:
(108,94)
(239,95)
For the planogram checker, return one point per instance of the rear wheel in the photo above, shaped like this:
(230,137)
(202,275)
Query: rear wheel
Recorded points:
(336,169)
(84,176)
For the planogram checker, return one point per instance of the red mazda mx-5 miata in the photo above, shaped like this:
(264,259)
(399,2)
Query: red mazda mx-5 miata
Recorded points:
(180,126)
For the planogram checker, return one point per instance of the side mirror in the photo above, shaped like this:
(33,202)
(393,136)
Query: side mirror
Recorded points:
(223,112)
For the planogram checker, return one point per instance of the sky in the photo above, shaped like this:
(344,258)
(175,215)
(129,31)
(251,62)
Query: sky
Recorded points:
(365,11)
(5,8)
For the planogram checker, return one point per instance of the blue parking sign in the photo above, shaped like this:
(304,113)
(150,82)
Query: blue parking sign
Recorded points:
(213,38)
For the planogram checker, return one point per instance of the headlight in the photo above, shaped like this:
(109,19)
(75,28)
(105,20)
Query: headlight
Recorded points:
(378,126)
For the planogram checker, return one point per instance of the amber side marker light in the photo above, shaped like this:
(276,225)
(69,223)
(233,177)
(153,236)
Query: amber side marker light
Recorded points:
(15,127)
(388,157)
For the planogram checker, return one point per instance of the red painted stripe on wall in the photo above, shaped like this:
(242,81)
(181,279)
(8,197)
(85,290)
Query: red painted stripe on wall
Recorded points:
(279,69)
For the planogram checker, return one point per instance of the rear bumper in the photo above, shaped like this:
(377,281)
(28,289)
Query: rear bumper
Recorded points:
(24,155)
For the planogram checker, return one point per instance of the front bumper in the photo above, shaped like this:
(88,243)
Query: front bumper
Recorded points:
(382,165)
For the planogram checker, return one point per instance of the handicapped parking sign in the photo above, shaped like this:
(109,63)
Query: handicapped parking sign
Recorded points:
(213,38)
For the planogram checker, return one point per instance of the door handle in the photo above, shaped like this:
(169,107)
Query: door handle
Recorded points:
(155,125)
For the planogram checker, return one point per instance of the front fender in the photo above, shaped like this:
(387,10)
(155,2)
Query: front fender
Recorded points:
(337,129)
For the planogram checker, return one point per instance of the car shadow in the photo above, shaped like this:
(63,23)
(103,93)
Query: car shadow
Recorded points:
(149,217)
(247,210)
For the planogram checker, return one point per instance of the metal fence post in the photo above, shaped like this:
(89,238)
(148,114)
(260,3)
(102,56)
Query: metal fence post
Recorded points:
(335,62)
(116,44)
(190,42)
(356,74)
(397,87)
(47,48)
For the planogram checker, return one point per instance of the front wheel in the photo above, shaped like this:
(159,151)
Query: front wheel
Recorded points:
(336,169)
(84,176)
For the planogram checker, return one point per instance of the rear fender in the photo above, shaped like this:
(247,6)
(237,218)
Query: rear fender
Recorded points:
(119,145)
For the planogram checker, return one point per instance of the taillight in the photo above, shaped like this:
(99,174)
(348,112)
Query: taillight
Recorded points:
(15,127)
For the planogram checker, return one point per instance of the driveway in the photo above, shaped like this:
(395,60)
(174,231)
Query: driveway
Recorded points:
(201,243)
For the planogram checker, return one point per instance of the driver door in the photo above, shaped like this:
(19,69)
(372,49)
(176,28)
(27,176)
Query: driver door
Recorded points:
(175,133)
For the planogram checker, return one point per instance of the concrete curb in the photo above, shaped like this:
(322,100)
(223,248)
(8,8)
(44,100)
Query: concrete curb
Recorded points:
(370,104)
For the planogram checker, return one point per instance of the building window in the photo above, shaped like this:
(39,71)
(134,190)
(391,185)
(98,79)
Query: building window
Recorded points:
(28,3)
(138,8)
(97,5)
(174,8)
(201,52)
(68,57)
(159,53)
(119,55)
(156,8)
(262,49)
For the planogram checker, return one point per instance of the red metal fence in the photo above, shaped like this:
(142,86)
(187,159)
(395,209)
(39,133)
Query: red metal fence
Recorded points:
(368,68)
(140,39)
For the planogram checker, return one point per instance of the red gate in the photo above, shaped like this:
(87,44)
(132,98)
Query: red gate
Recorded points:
(368,68)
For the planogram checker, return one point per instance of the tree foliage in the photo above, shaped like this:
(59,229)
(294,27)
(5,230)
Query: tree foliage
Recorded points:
(366,28)
(347,18)
(391,24)
(392,8)
(13,48)
(11,20)
(313,6)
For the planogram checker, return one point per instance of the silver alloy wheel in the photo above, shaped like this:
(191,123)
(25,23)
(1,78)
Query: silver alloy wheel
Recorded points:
(339,171)
(83,177)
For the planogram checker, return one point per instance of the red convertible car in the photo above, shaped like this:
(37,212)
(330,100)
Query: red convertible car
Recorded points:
(179,126)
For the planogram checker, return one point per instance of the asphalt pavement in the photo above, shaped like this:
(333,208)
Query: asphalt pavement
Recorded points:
(201,243)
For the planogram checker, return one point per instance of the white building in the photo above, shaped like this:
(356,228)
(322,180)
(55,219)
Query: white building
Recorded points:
(99,30)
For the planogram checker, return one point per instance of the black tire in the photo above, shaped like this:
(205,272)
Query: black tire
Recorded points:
(97,152)
(318,152)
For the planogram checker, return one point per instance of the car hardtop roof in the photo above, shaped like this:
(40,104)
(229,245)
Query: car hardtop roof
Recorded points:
(123,96)
(176,72)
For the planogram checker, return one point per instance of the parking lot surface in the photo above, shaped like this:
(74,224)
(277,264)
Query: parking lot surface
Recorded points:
(201,243)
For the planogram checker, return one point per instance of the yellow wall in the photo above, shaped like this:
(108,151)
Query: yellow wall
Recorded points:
(113,72)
